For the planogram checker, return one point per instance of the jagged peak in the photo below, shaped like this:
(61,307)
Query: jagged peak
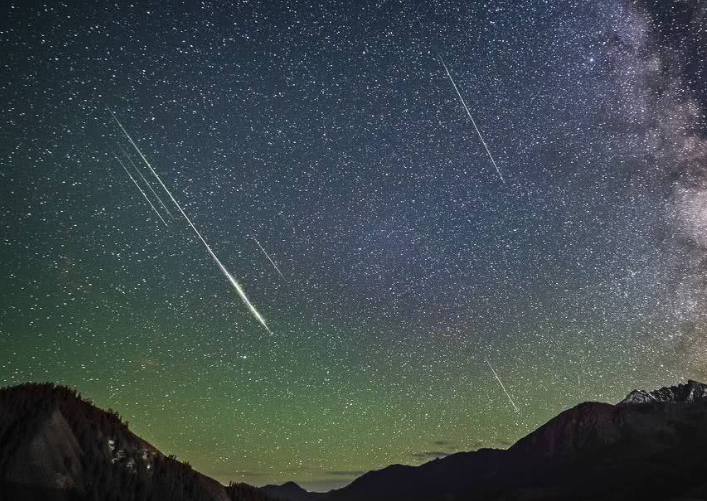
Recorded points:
(690,392)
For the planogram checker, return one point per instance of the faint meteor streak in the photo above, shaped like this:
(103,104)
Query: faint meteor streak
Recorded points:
(125,153)
(270,259)
(503,387)
(472,119)
(141,190)
(223,269)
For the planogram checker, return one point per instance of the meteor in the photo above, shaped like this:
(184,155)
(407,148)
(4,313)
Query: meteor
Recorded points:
(223,269)
(269,259)
(125,154)
(503,387)
(472,119)
(141,190)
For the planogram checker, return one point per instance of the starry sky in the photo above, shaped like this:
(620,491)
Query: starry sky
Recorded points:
(330,132)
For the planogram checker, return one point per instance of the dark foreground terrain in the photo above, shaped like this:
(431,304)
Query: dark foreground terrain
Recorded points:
(55,446)
(651,446)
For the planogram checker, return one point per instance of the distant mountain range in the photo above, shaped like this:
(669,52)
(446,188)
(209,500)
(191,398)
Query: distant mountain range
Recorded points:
(290,491)
(56,446)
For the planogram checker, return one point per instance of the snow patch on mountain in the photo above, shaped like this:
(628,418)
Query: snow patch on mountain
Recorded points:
(682,393)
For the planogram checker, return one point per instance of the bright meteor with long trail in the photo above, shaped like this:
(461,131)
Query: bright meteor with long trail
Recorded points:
(223,269)
(472,119)
(270,259)
(141,190)
(502,387)
(125,153)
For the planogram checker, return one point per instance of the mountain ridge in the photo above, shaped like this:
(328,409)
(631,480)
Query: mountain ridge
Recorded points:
(56,446)
(291,491)
(690,392)
(618,446)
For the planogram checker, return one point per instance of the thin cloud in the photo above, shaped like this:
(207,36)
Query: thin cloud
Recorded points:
(345,473)
(430,454)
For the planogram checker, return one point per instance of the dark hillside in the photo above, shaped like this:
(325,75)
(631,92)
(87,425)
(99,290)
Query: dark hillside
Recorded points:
(56,446)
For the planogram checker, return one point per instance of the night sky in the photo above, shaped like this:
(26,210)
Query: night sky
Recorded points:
(331,133)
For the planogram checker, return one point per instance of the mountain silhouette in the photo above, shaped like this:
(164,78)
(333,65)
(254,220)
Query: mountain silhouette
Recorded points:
(652,447)
(56,446)
(291,491)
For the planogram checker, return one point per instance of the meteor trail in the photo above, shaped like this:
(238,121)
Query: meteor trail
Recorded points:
(472,119)
(125,154)
(223,269)
(503,387)
(141,191)
(269,259)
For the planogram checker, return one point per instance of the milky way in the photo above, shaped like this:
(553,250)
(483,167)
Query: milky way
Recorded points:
(331,132)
